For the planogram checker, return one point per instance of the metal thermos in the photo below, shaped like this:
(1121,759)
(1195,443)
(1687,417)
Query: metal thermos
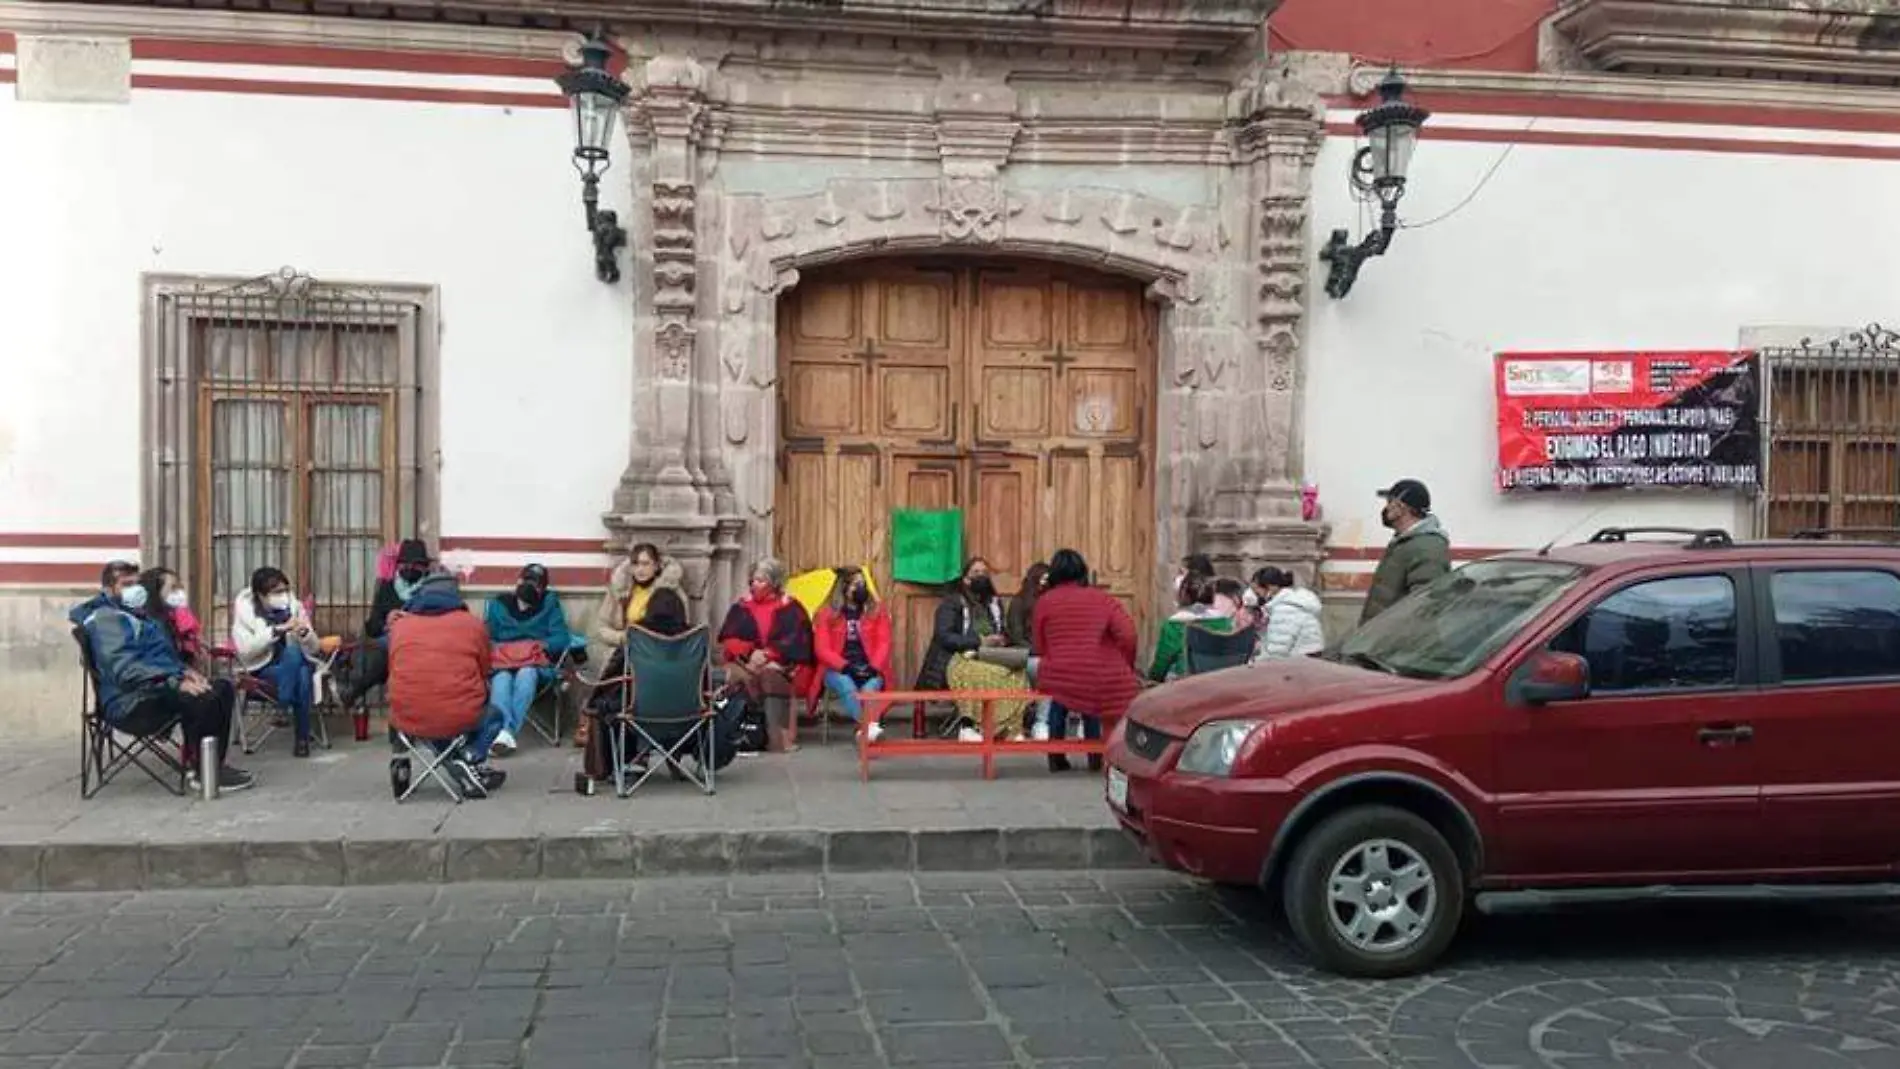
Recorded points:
(208,767)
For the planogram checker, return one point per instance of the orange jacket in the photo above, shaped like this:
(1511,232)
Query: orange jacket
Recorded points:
(438,673)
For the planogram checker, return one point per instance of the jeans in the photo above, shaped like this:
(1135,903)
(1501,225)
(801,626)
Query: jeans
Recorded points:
(481,738)
(511,691)
(291,675)
(847,690)
(1059,721)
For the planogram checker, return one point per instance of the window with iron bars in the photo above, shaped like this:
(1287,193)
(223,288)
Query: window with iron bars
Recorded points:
(1834,435)
(287,426)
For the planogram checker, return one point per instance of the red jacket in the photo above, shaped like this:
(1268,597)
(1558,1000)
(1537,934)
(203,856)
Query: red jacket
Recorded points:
(874,630)
(438,673)
(1086,643)
(778,626)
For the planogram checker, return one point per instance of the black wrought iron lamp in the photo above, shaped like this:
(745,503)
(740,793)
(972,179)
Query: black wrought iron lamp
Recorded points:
(1378,170)
(596,97)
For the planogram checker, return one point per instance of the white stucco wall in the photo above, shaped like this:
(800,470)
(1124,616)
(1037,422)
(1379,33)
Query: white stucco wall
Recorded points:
(1566,248)
(478,201)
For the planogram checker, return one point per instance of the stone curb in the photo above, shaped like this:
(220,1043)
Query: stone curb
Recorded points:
(136,866)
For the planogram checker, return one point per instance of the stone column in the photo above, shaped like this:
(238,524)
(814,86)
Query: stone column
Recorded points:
(666,495)
(1253,516)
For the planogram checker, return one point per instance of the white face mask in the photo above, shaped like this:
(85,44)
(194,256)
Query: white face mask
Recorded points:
(134,597)
(280,602)
(176,600)
(1251,598)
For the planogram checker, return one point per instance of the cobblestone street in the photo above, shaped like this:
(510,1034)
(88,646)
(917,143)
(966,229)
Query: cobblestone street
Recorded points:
(1123,969)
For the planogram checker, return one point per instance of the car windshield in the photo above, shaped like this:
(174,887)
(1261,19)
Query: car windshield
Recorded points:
(1449,628)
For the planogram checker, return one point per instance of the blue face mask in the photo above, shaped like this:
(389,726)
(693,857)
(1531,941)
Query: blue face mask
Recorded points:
(133,597)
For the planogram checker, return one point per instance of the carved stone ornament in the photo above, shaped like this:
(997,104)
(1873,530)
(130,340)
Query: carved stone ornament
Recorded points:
(675,347)
(972,211)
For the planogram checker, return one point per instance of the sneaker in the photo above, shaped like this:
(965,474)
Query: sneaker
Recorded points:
(1039,732)
(873,731)
(505,743)
(969,735)
(234,779)
(476,781)
(300,748)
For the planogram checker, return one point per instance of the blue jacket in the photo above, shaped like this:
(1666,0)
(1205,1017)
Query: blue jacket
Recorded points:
(134,657)
(87,608)
(547,626)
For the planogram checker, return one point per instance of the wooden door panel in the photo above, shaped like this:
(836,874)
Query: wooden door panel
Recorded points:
(826,400)
(1016,309)
(1014,404)
(1105,324)
(825,314)
(915,313)
(1005,503)
(917,404)
(1103,403)
(856,503)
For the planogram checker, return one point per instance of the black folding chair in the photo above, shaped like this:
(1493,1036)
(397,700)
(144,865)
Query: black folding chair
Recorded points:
(105,751)
(1213,651)
(665,710)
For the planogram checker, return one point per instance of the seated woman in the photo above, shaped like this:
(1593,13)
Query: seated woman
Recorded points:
(767,640)
(276,643)
(528,629)
(629,592)
(1196,599)
(663,613)
(1086,645)
(970,650)
(854,644)
(170,606)
(1290,617)
(1022,613)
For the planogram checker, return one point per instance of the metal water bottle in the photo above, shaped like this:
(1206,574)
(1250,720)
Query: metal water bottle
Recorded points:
(208,767)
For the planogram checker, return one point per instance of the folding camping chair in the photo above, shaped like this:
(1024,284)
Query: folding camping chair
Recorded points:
(258,714)
(102,756)
(418,761)
(1213,651)
(665,707)
(566,674)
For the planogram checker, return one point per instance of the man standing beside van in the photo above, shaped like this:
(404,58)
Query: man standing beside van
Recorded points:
(1418,553)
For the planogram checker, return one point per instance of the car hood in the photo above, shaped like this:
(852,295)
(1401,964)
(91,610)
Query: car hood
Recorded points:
(1265,689)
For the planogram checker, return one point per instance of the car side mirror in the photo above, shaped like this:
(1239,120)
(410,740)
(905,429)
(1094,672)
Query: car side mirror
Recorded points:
(1550,677)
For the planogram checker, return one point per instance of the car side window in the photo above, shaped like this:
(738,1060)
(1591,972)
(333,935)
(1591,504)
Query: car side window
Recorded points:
(1662,634)
(1836,624)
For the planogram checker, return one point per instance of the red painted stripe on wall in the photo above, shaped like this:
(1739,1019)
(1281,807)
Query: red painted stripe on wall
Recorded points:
(1659,142)
(413,93)
(1560,106)
(81,576)
(268,55)
(1343,553)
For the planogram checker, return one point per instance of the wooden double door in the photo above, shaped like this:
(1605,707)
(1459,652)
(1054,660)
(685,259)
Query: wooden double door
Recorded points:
(1019,393)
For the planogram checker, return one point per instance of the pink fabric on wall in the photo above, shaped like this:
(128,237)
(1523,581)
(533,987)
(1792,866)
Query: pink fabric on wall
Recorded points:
(386,562)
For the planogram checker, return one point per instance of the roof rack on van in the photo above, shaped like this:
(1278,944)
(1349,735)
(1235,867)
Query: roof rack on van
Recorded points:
(1699,537)
(1865,534)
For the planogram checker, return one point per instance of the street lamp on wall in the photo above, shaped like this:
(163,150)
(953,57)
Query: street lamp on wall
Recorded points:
(596,97)
(1378,170)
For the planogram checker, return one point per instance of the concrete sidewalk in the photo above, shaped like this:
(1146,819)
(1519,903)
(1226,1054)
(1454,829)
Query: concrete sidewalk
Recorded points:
(329,820)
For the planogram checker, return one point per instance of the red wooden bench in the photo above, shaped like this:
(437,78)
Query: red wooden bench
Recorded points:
(876,703)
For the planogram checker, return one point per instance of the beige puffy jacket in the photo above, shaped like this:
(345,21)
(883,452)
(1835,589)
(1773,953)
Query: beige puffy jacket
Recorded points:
(610,617)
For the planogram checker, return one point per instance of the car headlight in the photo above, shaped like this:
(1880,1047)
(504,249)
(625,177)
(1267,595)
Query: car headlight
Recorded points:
(1212,749)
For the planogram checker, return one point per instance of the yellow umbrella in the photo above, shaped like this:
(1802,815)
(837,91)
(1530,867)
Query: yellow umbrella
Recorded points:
(811,589)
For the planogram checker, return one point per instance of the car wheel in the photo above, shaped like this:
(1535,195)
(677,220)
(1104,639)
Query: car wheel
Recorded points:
(1374,892)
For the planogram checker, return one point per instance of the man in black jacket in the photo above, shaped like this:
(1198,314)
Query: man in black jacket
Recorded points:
(369,668)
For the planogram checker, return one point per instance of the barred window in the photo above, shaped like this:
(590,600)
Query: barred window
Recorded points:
(1834,436)
(287,427)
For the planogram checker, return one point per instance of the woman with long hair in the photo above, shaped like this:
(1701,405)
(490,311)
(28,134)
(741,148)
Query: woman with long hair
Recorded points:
(276,642)
(628,598)
(171,607)
(967,652)
(1196,598)
(1086,645)
(853,634)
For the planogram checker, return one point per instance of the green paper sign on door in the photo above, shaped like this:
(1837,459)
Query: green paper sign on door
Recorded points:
(926,545)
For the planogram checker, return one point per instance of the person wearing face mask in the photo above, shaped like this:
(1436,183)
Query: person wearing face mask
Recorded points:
(967,652)
(112,578)
(1196,608)
(1292,617)
(398,574)
(528,628)
(768,644)
(853,635)
(1419,552)
(167,603)
(276,643)
(143,686)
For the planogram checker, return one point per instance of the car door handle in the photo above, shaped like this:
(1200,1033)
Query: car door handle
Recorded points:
(1724,734)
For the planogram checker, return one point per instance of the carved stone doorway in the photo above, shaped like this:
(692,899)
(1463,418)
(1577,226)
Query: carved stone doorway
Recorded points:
(1021,392)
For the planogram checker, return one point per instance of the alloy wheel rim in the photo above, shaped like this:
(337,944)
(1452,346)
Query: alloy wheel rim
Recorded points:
(1381,897)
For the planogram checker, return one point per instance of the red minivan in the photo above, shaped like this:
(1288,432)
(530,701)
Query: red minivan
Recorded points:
(1652,707)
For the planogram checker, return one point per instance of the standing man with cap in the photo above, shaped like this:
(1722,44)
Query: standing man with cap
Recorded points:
(1418,553)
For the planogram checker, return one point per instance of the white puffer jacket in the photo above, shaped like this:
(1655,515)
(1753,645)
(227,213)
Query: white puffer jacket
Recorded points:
(253,638)
(1293,626)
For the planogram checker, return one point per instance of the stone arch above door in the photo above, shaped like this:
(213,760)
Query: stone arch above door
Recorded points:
(1176,249)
